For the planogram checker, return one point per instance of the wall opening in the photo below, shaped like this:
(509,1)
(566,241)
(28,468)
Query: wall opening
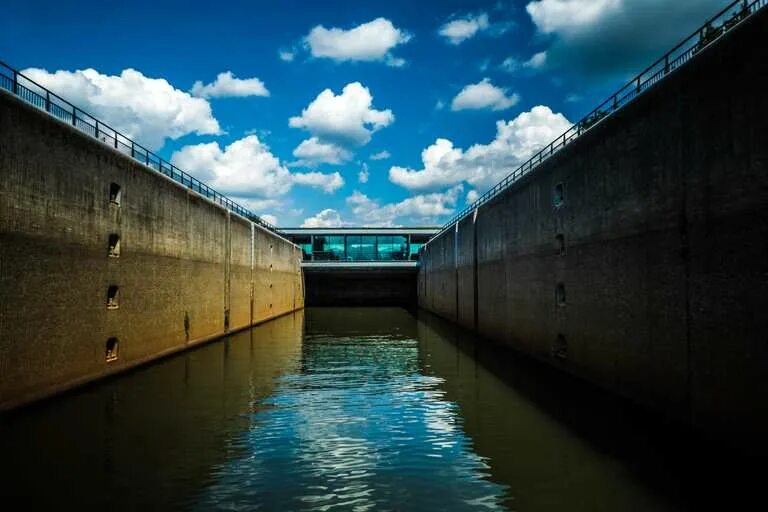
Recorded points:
(560,294)
(111,349)
(114,245)
(112,298)
(558,195)
(115,194)
(560,347)
(560,244)
(186,325)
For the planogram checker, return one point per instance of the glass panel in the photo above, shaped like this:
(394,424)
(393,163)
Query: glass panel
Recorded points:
(413,253)
(392,248)
(361,248)
(328,248)
(336,247)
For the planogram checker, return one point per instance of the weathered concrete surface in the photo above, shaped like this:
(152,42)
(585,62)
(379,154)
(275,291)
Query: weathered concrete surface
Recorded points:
(664,271)
(188,270)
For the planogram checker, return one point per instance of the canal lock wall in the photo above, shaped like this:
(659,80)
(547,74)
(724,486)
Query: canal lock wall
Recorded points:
(105,264)
(636,257)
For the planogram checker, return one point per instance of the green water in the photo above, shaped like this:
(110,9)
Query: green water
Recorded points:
(350,409)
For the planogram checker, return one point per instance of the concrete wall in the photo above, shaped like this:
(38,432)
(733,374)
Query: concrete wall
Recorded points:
(188,270)
(665,261)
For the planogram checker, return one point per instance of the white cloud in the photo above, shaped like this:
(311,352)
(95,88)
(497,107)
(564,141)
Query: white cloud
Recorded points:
(458,31)
(328,218)
(537,61)
(148,110)
(227,85)
(245,168)
(440,105)
(268,217)
(423,208)
(372,41)
(556,15)
(311,153)
(257,204)
(472,196)
(328,183)
(482,165)
(615,36)
(362,176)
(286,56)
(483,95)
(347,118)
(381,155)
(248,171)
(510,64)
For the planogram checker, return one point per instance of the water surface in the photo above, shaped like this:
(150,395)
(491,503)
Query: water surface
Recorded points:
(348,409)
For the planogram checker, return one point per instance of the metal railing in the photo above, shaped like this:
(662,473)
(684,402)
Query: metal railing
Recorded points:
(35,94)
(723,22)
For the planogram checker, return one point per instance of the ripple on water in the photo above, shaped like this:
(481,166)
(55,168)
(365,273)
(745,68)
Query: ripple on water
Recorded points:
(359,428)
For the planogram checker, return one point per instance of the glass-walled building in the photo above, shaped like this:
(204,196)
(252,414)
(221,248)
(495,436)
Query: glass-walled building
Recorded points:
(359,244)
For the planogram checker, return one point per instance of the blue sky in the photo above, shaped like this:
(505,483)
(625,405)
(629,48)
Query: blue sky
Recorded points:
(328,113)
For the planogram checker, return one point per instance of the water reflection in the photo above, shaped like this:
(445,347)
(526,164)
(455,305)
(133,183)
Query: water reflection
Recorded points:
(359,428)
(352,409)
(149,438)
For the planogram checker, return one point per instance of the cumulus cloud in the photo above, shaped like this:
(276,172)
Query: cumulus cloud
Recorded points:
(227,85)
(459,30)
(615,36)
(483,95)
(346,119)
(258,204)
(423,208)
(484,164)
(328,218)
(148,110)
(286,55)
(510,64)
(246,169)
(381,155)
(372,41)
(537,61)
(362,176)
(328,183)
(268,217)
(554,15)
(311,153)
(472,196)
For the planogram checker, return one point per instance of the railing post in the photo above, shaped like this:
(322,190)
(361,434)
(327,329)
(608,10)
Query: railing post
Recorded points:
(74,116)
(133,150)
(115,139)
(97,128)
(146,153)
(666,64)
(47,101)
(15,82)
